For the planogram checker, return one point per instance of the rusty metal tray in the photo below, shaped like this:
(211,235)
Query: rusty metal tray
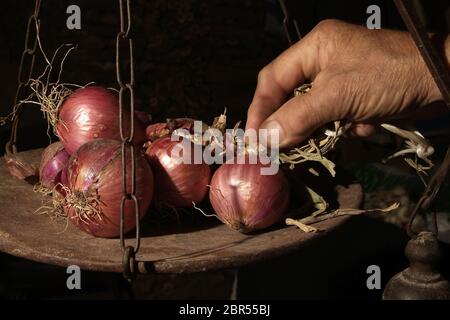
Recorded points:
(201,245)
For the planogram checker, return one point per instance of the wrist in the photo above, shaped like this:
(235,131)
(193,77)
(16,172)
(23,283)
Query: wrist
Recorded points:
(442,44)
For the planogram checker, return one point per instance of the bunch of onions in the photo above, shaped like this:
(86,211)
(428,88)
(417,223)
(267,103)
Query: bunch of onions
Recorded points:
(53,164)
(91,113)
(179,184)
(94,175)
(244,199)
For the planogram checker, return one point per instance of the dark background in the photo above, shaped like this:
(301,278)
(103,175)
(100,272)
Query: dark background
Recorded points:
(194,58)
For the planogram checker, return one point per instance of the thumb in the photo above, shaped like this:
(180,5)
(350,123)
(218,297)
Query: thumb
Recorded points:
(298,118)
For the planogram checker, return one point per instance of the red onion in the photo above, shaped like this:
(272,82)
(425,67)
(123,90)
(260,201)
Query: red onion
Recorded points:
(91,113)
(179,184)
(156,131)
(162,129)
(245,200)
(53,162)
(64,178)
(94,176)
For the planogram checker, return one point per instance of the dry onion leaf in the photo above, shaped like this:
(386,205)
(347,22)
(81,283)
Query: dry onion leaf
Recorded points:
(415,144)
(317,147)
(335,213)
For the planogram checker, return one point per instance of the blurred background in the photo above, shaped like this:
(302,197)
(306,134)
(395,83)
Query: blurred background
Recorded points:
(194,58)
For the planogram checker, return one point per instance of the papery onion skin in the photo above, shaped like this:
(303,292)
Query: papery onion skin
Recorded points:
(179,184)
(158,130)
(64,178)
(91,113)
(53,162)
(96,168)
(18,167)
(245,200)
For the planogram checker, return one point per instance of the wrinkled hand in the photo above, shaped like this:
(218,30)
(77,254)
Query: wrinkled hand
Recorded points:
(358,74)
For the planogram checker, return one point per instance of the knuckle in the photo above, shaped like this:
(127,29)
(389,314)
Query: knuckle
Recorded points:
(327,25)
(326,33)
(263,74)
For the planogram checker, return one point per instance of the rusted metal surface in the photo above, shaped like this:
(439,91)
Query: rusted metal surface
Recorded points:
(24,73)
(420,281)
(439,70)
(124,35)
(166,248)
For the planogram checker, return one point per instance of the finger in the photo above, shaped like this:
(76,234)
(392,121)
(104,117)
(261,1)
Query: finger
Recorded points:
(278,79)
(299,117)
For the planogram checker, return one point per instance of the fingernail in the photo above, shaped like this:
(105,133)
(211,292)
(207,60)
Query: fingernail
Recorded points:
(274,135)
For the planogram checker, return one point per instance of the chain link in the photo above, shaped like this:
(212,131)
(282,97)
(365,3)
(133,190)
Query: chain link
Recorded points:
(289,24)
(425,203)
(439,70)
(126,88)
(23,75)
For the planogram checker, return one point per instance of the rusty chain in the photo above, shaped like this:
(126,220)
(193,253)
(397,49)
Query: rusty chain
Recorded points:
(289,24)
(439,70)
(23,75)
(124,41)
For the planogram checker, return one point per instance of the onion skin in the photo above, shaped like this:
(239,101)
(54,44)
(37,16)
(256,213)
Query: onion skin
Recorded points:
(64,178)
(245,200)
(179,184)
(156,130)
(18,167)
(53,162)
(91,113)
(96,169)
(162,129)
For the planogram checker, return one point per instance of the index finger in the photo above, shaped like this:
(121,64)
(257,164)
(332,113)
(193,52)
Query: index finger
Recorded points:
(279,78)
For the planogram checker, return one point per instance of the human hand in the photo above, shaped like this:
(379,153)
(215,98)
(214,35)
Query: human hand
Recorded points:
(358,74)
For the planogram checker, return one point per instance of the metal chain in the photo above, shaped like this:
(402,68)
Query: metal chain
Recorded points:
(124,41)
(23,75)
(439,70)
(289,24)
